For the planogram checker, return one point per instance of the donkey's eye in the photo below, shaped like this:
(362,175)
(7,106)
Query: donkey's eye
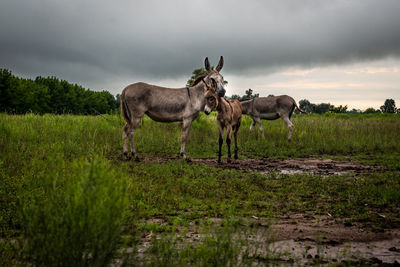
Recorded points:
(211,99)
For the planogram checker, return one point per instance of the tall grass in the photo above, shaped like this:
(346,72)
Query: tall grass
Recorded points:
(225,246)
(74,218)
(332,134)
(65,193)
(74,136)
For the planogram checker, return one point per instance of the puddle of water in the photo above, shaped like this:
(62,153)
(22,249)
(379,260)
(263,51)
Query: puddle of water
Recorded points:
(292,172)
(305,251)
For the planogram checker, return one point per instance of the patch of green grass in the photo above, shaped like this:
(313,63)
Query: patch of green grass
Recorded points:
(177,189)
(214,248)
(46,161)
(74,218)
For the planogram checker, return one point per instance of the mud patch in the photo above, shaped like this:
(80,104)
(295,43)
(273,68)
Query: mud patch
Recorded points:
(311,238)
(301,239)
(281,166)
(294,166)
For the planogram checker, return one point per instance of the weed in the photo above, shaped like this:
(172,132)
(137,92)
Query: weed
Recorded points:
(77,221)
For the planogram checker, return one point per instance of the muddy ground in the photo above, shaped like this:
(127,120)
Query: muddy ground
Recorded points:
(310,238)
(305,239)
(283,166)
(291,166)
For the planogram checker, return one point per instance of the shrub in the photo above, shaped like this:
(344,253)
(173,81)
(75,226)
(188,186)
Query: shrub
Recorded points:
(75,219)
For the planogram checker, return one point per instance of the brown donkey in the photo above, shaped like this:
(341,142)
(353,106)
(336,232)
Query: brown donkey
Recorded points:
(167,105)
(229,117)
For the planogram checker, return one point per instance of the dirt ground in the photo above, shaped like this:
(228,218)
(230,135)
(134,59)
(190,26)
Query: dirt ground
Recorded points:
(310,238)
(306,239)
(291,166)
(283,166)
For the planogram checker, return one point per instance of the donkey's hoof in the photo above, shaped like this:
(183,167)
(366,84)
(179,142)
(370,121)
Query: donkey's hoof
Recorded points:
(228,160)
(187,159)
(127,156)
(236,157)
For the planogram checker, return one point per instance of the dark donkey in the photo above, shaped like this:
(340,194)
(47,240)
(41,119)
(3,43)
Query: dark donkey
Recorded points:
(229,117)
(167,105)
(270,108)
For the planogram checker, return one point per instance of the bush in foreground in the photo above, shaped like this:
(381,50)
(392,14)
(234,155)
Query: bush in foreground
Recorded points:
(75,220)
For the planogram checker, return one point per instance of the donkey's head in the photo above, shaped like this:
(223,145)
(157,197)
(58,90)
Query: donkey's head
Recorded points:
(214,77)
(211,98)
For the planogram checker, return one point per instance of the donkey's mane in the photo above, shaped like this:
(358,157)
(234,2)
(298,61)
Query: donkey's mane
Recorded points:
(198,79)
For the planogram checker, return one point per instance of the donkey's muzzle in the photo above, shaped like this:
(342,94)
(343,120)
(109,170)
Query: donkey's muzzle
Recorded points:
(207,110)
(221,91)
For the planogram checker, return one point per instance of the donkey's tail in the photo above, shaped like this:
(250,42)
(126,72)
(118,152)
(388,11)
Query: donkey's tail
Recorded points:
(299,109)
(124,108)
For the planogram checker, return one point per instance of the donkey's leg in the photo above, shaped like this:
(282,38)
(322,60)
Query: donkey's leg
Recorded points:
(134,124)
(253,123)
(185,132)
(228,141)
(220,141)
(258,121)
(289,125)
(235,137)
(125,132)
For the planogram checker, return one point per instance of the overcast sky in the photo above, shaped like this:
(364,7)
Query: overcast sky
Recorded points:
(342,52)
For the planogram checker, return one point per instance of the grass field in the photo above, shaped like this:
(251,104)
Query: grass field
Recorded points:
(67,197)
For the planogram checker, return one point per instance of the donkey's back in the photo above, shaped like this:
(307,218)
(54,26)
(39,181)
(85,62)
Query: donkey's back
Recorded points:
(270,108)
(236,111)
(273,105)
(159,103)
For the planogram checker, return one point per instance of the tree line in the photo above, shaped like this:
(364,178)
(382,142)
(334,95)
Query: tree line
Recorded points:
(388,107)
(51,95)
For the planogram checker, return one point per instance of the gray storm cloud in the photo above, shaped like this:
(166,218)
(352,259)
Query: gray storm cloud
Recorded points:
(95,41)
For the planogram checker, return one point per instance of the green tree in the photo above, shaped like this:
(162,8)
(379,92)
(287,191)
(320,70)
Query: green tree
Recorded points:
(50,95)
(235,97)
(389,106)
(339,109)
(249,94)
(117,101)
(197,73)
(305,105)
(354,111)
(371,110)
(5,82)
(322,108)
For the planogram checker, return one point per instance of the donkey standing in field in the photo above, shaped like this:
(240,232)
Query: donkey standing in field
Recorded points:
(229,117)
(270,108)
(167,105)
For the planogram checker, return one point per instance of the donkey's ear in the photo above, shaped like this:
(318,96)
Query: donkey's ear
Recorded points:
(220,64)
(207,64)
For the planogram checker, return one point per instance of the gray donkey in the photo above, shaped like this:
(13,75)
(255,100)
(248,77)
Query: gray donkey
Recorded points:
(167,105)
(270,108)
